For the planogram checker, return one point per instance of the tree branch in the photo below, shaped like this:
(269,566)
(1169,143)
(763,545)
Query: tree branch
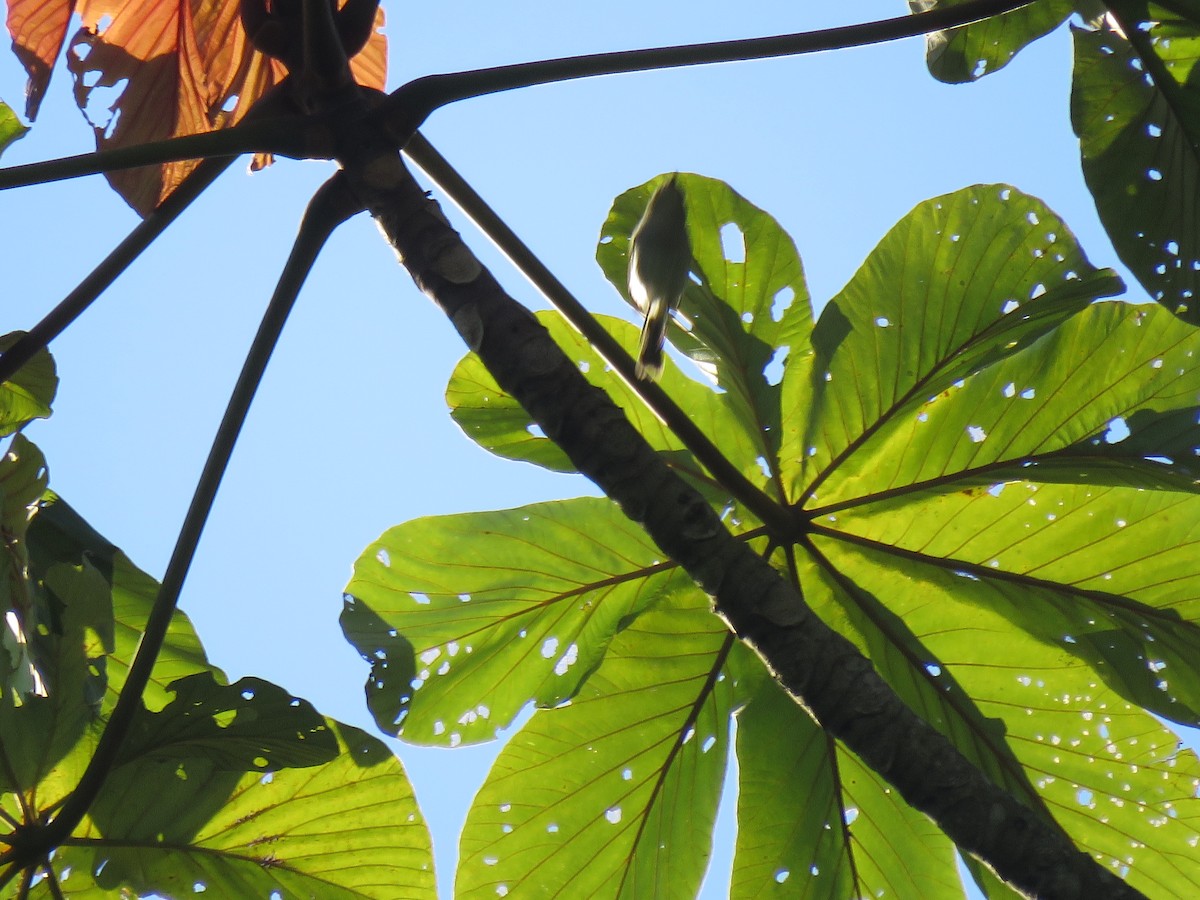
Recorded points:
(818,666)
(406,108)
(290,135)
(99,279)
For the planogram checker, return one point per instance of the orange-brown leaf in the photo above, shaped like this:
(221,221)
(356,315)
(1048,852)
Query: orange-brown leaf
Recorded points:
(38,29)
(147,70)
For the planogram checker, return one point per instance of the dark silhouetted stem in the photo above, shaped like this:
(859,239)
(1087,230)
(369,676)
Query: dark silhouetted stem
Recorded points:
(331,206)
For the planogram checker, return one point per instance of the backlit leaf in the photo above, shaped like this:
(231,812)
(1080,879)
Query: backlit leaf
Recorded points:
(1138,119)
(992,478)
(814,822)
(747,307)
(525,613)
(494,419)
(239,790)
(11,128)
(28,394)
(346,829)
(972,51)
(148,70)
(963,281)
(615,794)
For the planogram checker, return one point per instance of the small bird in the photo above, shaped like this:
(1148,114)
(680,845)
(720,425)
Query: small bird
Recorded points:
(660,257)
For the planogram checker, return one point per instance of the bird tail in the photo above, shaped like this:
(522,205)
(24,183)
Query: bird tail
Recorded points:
(650,348)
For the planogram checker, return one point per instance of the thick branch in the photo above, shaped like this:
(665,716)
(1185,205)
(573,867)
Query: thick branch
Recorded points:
(822,669)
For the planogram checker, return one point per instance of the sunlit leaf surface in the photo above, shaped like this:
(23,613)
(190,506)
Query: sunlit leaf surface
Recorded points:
(179,824)
(532,599)
(994,485)
(613,795)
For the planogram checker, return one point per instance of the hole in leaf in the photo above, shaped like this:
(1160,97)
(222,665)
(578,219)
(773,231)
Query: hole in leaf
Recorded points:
(1117,431)
(733,243)
(784,298)
(773,370)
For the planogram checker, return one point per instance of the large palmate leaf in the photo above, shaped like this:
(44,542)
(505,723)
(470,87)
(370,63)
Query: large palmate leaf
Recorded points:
(239,789)
(960,283)
(995,492)
(1136,109)
(152,69)
(972,51)
(813,821)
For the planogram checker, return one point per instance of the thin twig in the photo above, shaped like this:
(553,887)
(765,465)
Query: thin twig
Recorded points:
(99,279)
(331,206)
(281,135)
(52,880)
(407,108)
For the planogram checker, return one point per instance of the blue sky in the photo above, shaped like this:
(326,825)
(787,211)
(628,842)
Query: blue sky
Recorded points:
(350,434)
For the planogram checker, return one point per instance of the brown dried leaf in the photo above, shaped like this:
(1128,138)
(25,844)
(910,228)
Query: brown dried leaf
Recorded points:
(38,29)
(147,70)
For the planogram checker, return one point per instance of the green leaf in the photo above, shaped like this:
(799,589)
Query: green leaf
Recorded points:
(43,696)
(22,481)
(814,822)
(1108,574)
(1048,413)
(613,795)
(1137,115)
(346,829)
(1114,777)
(962,282)
(992,479)
(241,727)
(241,790)
(11,128)
(940,484)
(78,565)
(748,305)
(465,619)
(867,615)
(494,420)
(88,605)
(28,394)
(968,53)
